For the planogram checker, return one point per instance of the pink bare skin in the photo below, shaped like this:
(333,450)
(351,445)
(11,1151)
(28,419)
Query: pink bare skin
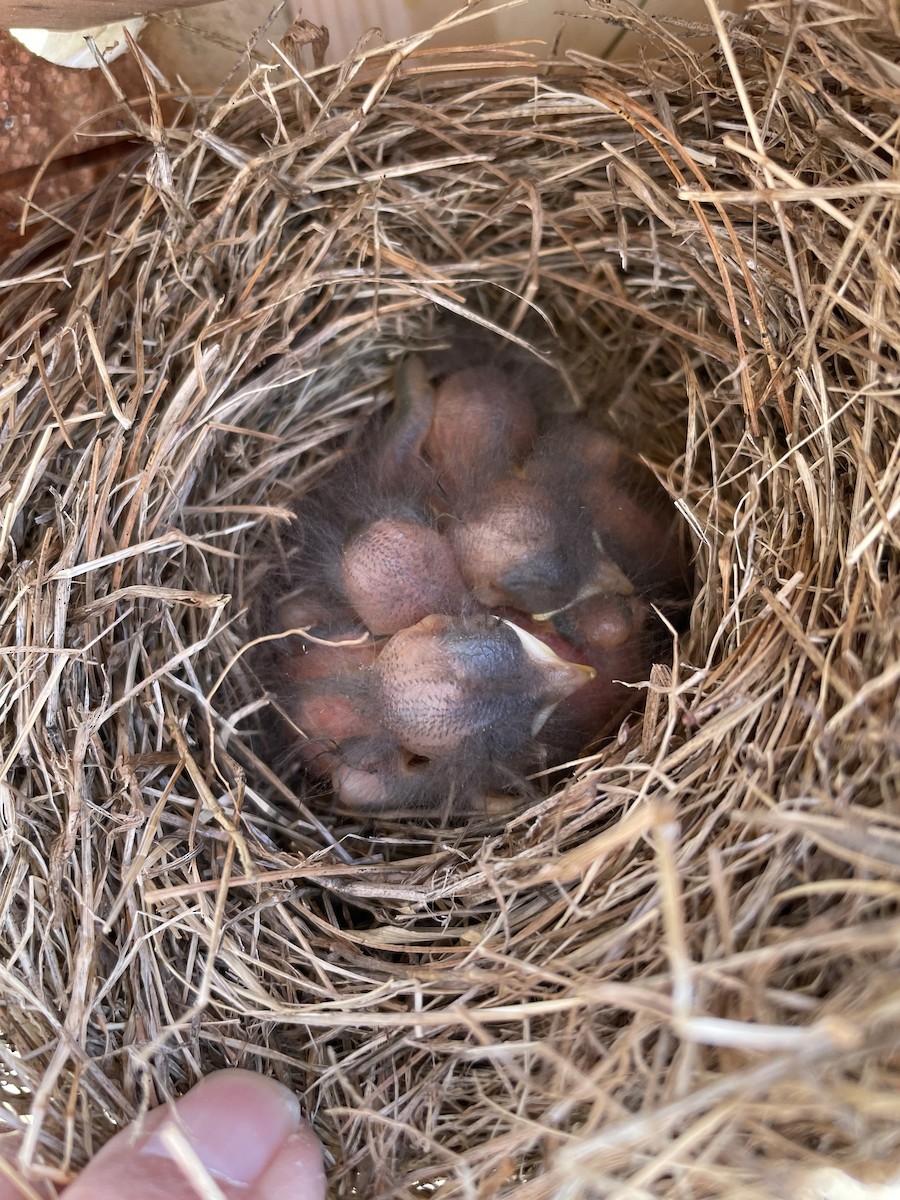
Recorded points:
(481,428)
(471,428)
(446,684)
(245,1130)
(396,572)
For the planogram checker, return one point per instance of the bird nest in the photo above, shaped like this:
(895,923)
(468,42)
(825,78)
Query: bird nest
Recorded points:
(675,971)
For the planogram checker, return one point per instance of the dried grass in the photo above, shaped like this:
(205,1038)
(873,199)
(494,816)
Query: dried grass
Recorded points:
(677,975)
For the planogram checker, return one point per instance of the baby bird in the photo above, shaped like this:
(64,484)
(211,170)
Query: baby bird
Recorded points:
(395,572)
(639,526)
(607,633)
(634,525)
(481,427)
(528,543)
(630,511)
(447,706)
(360,552)
(325,696)
(474,588)
(466,700)
(469,428)
(477,686)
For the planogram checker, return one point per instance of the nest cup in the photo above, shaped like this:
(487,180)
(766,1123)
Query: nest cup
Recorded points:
(677,973)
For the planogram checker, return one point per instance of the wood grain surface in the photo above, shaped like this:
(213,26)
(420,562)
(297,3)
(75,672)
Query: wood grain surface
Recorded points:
(78,14)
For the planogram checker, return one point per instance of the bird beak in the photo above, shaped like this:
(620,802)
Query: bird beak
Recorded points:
(560,678)
(607,580)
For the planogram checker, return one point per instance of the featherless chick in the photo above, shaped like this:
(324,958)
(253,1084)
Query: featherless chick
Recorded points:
(466,600)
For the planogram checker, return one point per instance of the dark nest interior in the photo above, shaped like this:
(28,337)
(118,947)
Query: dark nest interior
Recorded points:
(676,972)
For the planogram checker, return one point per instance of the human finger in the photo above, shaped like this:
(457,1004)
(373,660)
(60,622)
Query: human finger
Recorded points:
(240,1131)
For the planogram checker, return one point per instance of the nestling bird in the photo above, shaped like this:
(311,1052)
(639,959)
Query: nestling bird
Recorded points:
(326,696)
(640,529)
(631,513)
(475,586)
(609,634)
(449,703)
(480,686)
(465,430)
(362,551)
(464,702)
(529,543)
(395,572)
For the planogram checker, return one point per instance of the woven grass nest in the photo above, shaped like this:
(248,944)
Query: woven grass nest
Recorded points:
(674,975)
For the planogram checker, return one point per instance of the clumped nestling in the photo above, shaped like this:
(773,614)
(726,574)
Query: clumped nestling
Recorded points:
(463,602)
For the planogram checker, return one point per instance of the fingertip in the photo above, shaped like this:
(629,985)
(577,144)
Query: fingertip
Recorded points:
(297,1172)
(235,1122)
(14,1185)
(237,1125)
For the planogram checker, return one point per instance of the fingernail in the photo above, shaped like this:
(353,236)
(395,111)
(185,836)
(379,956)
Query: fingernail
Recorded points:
(234,1121)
